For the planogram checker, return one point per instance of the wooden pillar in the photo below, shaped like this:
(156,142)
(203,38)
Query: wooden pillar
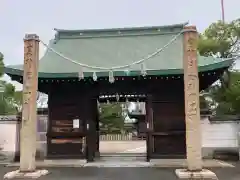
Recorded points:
(149,129)
(18,128)
(90,111)
(191,89)
(29,111)
(97,152)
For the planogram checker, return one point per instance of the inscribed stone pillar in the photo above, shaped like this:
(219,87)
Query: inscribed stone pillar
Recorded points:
(29,111)
(191,90)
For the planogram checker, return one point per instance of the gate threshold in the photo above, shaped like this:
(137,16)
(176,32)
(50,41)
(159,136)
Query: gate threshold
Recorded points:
(123,155)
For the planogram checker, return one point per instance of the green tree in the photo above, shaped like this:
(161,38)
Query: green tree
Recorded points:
(111,118)
(7,105)
(227,98)
(223,40)
(7,94)
(220,39)
(1,64)
(17,100)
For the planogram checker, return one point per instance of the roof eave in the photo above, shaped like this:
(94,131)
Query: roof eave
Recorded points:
(223,64)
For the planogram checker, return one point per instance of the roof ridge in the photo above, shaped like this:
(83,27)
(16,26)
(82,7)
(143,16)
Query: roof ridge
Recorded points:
(180,25)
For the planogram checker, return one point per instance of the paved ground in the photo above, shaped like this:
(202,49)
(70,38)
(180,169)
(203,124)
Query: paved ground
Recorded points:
(92,173)
(122,146)
(122,161)
(125,173)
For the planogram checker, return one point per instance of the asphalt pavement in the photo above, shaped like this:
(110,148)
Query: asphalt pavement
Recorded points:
(124,173)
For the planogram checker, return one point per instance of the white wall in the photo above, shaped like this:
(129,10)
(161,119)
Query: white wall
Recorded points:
(215,135)
(8,137)
(219,135)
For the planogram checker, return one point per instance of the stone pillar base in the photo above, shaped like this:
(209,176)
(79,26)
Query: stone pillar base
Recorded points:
(39,156)
(25,175)
(203,174)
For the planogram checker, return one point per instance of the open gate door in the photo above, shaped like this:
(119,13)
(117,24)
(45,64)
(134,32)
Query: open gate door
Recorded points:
(149,122)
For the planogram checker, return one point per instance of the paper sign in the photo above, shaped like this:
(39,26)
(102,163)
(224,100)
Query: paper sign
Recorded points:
(76,123)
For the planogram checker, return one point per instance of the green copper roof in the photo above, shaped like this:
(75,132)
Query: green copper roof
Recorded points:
(116,47)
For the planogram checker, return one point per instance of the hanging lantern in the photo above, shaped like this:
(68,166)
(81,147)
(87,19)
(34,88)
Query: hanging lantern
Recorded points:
(95,76)
(127,72)
(80,74)
(127,102)
(138,105)
(111,77)
(117,97)
(226,78)
(143,69)
(99,106)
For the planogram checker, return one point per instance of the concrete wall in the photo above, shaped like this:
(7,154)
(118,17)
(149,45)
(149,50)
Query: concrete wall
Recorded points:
(8,138)
(219,136)
(215,135)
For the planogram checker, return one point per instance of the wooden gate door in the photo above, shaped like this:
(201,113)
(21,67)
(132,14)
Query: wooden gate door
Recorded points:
(168,127)
(66,141)
(67,127)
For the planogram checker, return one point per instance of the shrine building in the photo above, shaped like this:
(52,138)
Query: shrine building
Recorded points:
(145,63)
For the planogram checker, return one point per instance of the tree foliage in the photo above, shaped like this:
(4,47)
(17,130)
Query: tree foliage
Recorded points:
(7,104)
(111,118)
(18,99)
(7,94)
(228,99)
(220,39)
(223,40)
(1,64)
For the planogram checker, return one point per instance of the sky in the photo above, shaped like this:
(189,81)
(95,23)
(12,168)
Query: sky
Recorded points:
(41,17)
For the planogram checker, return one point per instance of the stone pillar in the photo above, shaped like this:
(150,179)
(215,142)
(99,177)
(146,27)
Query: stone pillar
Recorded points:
(28,134)
(192,110)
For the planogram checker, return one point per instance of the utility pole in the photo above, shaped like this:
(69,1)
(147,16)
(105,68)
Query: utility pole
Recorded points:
(223,13)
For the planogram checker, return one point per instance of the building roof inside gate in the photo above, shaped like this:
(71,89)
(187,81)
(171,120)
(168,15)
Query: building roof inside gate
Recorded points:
(117,47)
